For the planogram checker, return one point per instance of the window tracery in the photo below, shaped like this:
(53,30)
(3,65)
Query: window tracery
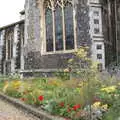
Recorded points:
(59,25)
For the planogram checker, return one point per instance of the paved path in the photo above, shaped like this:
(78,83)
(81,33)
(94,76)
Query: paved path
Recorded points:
(9,112)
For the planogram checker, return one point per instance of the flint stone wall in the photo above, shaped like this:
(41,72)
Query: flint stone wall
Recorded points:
(32,54)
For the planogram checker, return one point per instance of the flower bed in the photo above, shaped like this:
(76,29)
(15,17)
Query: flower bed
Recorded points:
(72,99)
(83,97)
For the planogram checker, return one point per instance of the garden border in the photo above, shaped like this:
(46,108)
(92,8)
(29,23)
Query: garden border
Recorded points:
(20,105)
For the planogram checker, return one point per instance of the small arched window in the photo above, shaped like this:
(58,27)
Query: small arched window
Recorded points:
(59,25)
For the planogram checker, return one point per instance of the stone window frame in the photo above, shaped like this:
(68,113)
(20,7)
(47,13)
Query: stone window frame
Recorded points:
(99,56)
(99,46)
(96,14)
(43,31)
(96,30)
(96,21)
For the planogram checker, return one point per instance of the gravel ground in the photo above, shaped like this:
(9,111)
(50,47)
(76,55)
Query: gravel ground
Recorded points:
(9,112)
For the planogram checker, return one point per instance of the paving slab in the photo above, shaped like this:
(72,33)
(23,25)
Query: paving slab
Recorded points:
(10,112)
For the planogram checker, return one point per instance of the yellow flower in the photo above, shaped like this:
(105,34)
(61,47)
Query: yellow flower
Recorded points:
(96,105)
(118,83)
(109,89)
(70,60)
(105,107)
(5,87)
(16,84)
(56,83)
(66,70)
(82,53)
(81,84)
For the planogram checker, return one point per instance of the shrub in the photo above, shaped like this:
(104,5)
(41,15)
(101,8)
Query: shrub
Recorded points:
(63,74)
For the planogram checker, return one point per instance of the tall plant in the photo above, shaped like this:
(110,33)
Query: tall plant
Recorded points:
(84,69)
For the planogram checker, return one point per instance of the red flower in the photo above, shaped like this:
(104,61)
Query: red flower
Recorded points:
(23,99)
(41,98)
(61,104)
(75,107)
(69,110)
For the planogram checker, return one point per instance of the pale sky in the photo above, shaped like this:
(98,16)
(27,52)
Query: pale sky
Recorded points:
(9,11)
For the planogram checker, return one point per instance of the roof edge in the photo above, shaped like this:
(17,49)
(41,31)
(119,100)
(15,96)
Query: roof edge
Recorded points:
(12,24)
(22,12)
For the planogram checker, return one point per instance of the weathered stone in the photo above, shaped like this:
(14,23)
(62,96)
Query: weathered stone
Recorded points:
(95,24)
(33,57)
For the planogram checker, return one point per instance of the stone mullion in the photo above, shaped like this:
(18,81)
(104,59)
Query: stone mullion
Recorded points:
(22,53)
(74,27)
(63,22)
(44,47)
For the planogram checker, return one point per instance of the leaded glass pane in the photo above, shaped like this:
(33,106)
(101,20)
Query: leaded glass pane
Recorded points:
(58,28)
(49,29)
(69,27)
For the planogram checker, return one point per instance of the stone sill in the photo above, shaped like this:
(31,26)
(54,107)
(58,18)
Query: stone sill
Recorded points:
(39,70)
(27,108)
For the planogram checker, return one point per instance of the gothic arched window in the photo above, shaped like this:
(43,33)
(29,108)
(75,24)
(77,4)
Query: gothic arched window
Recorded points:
(59,25)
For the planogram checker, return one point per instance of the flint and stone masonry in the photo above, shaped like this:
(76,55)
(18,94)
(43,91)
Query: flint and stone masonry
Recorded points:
(49,33)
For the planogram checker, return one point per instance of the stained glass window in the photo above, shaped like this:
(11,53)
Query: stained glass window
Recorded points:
(59,25)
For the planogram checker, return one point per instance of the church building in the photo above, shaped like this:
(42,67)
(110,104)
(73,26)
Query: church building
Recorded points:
(50,31)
